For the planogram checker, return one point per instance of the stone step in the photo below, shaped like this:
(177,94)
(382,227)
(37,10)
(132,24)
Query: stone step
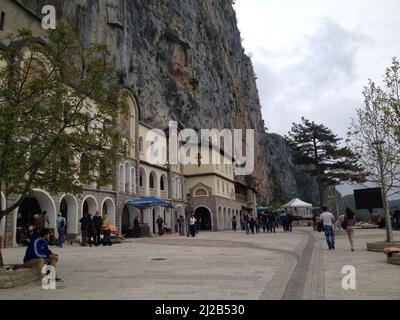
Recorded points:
(18,277)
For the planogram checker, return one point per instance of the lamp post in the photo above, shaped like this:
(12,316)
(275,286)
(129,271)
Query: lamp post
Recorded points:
(378,145)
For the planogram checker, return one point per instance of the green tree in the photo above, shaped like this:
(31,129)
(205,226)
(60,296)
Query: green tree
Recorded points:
(318,149)
(375,136)
(59,103)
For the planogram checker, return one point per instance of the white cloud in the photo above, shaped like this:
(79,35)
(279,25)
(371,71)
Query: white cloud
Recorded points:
(313,57)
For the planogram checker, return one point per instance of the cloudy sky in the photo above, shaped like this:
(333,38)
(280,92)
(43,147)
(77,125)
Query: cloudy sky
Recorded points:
(313,57)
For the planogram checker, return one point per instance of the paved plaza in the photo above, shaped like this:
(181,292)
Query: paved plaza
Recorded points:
(219,265)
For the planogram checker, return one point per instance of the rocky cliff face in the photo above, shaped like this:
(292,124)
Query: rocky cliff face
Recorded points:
(183,60)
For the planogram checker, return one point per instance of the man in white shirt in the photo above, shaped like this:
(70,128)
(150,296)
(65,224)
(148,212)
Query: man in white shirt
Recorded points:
(328,220)
(192,225)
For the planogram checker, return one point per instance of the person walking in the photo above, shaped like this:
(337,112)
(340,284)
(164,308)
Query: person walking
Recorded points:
(348,224)
(181,223)
(283,218)
(289,222)
(234,223)
(318,223)
(328,220)
(90,230)
(97,222)
(61,225)
(257,224)
(252,224)
(246,221)
(160,224)
(192,225)
(264,219)
(271,222)
(106,231)
(84,228)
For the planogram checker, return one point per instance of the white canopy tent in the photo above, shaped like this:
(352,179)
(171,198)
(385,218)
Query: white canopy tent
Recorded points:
(299,208)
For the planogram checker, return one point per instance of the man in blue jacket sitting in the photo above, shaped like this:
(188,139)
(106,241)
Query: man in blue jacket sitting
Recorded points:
(38,253)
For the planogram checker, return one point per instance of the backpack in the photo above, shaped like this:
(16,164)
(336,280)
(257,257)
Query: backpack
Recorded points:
(344,223)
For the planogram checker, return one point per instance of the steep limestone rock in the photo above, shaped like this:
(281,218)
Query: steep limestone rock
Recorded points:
(183,60)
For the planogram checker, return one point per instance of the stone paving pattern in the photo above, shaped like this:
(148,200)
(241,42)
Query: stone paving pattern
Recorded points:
(219,265)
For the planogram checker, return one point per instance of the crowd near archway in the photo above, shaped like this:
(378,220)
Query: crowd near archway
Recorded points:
(203,217)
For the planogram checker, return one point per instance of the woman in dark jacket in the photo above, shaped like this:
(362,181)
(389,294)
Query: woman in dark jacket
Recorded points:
(252,223)
(90,230)
(84,228)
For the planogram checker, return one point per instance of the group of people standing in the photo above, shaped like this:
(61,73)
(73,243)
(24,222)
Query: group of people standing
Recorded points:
(267,221)
(92,227)
(41,222)
(191,227)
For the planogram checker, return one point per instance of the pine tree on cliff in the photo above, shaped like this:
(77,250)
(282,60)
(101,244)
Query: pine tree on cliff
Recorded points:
(318,149)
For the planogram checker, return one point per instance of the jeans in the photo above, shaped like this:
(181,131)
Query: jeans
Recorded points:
(329,235)
(180,228)
(192,230)
(97,239)
(60,239)
(247,226)
(265,226)
(271,226)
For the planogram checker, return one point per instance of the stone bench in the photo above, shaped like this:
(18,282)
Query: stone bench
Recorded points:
(19,277)
(381,245)
(394,259)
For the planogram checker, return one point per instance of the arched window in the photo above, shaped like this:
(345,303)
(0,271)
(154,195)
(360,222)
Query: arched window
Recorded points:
(121,177)
(142,178)
(201,192)
(133,180)
(179,189)
(152,180)
(127,178)
(173,191)
(84,164)
(163,183)
(141,144)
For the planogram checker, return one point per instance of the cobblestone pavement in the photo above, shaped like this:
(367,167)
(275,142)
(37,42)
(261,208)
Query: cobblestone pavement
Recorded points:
(219,265)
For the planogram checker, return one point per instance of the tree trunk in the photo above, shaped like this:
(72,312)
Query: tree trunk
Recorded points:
(389,235)
(1,218)
(316,163)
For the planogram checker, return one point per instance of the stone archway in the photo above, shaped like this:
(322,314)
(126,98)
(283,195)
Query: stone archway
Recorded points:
(37,202)
(89,205)
(127,219)
(108,206)
(69,210)
(204,218)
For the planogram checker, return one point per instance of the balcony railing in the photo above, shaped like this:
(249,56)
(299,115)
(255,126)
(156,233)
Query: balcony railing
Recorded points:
(241,198)
(153,192)
(142,191)
(164,194)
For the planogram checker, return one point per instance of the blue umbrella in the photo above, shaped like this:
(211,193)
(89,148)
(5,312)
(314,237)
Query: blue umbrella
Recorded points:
(149,202)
